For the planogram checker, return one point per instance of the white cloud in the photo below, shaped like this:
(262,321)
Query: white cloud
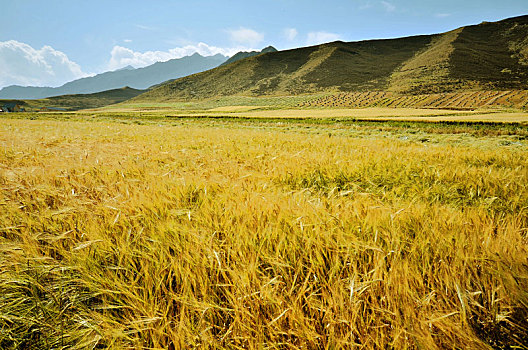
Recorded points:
(21,64)
(315,38)
(442,15)
(140,26)
(127,40)
(290,33)
(388,6)
(367,5)
(246,36)
(122,56)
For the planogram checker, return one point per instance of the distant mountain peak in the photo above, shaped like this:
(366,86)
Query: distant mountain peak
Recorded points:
(136,78)
(129,67)
(245,54)
(268,49)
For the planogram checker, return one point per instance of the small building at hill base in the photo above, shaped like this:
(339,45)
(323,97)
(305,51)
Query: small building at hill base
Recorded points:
(12,107)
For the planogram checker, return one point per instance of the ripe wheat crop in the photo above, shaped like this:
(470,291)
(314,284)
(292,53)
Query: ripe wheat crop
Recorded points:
(216,234)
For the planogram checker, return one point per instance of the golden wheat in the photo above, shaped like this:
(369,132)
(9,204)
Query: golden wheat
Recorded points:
(212,234)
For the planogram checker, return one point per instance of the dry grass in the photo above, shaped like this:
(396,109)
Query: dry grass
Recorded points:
(373,112)
(235,108)
(213,234)
(465,100)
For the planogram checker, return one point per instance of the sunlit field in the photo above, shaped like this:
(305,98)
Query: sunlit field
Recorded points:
(170,233)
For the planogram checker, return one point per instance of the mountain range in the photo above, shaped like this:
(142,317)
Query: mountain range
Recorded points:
(135,78)
(487,56)
(140,78)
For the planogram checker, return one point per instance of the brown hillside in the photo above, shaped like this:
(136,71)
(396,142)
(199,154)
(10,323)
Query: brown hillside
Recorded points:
(334,66)
(492,54)
(429,68)
(488,56)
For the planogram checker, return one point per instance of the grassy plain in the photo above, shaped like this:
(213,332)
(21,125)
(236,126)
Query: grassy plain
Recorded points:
(79,101)
(150,232)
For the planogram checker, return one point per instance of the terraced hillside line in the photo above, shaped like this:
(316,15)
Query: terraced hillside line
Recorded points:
(471,101)
(457,100)
(464,100)
(496,98)
(516,97)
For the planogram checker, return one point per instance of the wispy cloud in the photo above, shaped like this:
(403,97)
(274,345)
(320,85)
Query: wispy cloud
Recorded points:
(367,5)
(243,39)
(122,56)
(127,40)
(314,38)
(388,6)
(24,65)
(442,15)
(246,36)
(141,26)
(290,33)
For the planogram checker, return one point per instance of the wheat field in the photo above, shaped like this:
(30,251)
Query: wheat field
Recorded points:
(216,234)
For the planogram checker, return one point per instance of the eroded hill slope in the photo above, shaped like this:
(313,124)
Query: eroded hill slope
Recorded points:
(488,56)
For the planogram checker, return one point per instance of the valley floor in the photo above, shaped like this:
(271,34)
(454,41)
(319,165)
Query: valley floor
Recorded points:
(264,229)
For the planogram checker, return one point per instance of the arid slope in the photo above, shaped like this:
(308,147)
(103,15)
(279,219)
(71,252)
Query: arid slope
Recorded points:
(488,56)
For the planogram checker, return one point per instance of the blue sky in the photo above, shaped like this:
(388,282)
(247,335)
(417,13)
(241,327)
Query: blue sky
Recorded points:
(53,41)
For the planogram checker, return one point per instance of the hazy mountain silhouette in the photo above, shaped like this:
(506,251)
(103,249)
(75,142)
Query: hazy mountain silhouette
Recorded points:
(140,78)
